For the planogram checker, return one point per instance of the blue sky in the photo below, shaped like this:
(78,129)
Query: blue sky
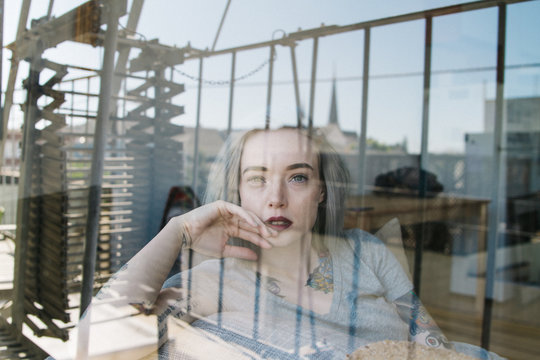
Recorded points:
(394,112)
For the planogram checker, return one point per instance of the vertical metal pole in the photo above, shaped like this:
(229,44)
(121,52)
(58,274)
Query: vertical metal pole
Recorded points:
(25,191)
(497,206)
(87,123)
(49,10)
(123,54)
(231,94)
(1,64)
(2,135)
(313,81)
(197,126)
(269,88)
(72,105)
(419,248)
(124,112)
(363,124)
(296,88)
(14,68)
(155,199)
(229,129)
(96,171)
(427,90)
(171,79)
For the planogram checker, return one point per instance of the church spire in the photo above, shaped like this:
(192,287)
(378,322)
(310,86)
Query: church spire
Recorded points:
(333,118)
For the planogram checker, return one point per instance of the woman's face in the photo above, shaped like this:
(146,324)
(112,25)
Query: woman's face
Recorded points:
(279,182)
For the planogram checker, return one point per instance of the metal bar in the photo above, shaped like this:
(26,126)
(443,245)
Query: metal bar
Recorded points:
(313,82)
(497,205)
(296,88)
(89,15)
(231,95)
(391,75)
(269,88)
(14,68)
(49,10)
(427,90)
(419,248)
(25,186)
(333,30)
(197,127)
(157,138)
(362,146)
(123,55)
(221,24)
(87,123)
(448,10)
(72,109)
(229,130)
(96,174)
(1,69)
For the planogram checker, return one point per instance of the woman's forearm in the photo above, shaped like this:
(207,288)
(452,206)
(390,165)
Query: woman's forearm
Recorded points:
(140,280)
(422,327)
(205,229)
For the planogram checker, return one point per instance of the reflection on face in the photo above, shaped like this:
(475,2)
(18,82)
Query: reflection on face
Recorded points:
(279,182)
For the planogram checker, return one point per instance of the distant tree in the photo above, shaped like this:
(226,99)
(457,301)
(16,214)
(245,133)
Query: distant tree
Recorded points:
(376,145)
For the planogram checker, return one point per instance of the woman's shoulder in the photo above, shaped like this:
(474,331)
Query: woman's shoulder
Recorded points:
(359,234)
(372,255)
(358,240)
(357,243)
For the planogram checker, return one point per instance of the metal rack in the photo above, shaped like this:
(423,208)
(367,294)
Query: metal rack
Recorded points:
(55,270)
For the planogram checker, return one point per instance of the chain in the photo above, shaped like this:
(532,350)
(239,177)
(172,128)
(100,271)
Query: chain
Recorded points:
(225,82)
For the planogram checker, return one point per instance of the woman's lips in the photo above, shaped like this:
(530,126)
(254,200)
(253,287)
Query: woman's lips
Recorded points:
(278,223)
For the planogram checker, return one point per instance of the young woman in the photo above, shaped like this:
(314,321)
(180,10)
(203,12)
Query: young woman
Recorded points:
(287,279)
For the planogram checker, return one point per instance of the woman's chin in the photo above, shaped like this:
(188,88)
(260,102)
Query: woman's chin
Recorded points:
(287,238)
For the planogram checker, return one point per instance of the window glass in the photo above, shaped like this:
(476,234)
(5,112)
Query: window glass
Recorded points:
(389,192)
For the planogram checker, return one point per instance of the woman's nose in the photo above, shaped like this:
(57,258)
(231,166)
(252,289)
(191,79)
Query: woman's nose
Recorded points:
(277,197)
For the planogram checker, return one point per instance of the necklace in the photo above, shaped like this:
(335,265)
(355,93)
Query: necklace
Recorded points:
(322,277)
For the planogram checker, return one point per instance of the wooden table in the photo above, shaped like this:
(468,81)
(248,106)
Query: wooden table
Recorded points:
(372,211)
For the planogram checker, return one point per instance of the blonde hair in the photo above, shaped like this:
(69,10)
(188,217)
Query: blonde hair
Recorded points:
(224,178)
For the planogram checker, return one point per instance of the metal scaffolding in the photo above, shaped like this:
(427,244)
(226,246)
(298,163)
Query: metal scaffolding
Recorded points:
(86,208)
(90,194)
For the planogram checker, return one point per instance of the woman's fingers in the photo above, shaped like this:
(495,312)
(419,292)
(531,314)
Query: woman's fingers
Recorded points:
(251,236)
(215,223)
(251,219)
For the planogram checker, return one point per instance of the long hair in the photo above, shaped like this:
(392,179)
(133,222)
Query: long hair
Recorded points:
(224,178)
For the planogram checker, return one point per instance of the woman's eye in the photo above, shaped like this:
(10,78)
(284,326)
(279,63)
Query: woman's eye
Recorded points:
(299,178)
(256,180)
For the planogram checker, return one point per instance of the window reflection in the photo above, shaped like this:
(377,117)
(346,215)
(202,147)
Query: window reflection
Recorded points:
(451,193)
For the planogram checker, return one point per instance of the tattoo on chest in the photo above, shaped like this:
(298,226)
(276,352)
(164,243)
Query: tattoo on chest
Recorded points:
(272,286)
(322,277)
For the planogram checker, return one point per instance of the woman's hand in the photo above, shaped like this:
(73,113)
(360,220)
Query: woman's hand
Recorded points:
(207,229)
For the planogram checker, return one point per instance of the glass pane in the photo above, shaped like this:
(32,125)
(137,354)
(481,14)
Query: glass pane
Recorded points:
(516,288)
(463,79)
(118,134)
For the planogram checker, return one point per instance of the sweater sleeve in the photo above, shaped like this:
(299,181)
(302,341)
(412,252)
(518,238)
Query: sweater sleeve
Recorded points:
(383,263)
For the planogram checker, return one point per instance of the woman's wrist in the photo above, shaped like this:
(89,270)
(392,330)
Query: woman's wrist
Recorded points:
(183,234)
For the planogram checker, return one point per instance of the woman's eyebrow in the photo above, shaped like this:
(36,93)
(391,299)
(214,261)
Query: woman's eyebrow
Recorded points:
(290,167)
(299,166)
(254,168)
